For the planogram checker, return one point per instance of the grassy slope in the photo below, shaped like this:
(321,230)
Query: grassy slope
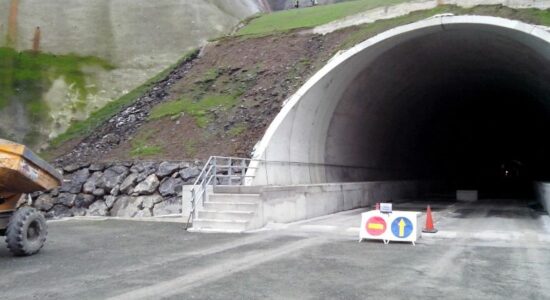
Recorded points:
(363,32)
(280,21)
(309,17)
(199,107)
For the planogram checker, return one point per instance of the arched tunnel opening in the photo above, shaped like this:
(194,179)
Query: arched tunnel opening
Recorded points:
(468,106)
(460,100)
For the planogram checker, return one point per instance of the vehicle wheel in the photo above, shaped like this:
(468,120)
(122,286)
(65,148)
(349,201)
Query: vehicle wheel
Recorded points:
(26,232)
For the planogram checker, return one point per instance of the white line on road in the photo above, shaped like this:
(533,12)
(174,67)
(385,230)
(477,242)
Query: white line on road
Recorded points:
(215,272)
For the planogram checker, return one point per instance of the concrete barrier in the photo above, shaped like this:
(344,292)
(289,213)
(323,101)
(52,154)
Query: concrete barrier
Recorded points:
(283,204)
(542,191)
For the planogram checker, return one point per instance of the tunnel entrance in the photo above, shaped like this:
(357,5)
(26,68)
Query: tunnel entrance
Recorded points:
(468,106)
(460,100)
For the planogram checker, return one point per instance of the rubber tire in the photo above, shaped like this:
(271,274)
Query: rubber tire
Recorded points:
(18,229)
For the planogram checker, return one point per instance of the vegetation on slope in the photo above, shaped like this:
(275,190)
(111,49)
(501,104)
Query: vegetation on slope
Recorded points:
(198,110)
(231,94)
(364,32)
(26,76)
(309,17)
(85,127)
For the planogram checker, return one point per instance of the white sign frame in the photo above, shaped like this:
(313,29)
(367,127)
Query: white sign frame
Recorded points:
(386,208)
(388,235)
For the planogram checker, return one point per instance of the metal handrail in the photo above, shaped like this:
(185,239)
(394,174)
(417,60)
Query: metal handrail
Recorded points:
(211,172)
(209,176)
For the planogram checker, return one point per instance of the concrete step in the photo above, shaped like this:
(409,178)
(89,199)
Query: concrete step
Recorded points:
(219,225)
(241,198)
(226,215)
(232,206)
(237,189)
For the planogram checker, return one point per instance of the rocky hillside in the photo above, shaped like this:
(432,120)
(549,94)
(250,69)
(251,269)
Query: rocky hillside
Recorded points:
(221,102)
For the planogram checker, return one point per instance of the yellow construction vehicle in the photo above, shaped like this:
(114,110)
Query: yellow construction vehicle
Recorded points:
(22,172)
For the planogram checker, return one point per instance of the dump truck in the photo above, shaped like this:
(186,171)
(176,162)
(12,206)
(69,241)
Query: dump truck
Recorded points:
(22,172)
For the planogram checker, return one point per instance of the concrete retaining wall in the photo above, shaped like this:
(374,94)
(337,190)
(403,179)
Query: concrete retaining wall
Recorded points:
(542,191)
(283,204)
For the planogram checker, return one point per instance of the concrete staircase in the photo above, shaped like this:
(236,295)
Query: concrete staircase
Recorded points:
(229,209)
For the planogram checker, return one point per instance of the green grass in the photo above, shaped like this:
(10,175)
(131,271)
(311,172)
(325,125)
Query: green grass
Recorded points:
(85,127)
(190,148)
(142,150)
(237,130)
(141,146)
(309,17)
(363,32)
(26,76)
(199,110)
(211,75)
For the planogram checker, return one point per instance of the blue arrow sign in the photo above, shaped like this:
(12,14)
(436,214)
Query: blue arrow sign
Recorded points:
(401,227)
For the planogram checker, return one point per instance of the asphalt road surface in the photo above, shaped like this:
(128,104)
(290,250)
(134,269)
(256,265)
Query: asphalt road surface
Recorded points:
(483,251)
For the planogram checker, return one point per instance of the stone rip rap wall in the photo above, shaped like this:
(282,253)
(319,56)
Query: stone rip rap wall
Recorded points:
(122,189)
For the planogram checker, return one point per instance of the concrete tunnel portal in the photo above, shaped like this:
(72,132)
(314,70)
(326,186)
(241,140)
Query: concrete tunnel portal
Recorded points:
(463,99)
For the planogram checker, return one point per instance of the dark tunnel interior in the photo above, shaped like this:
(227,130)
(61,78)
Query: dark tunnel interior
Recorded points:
(468,106)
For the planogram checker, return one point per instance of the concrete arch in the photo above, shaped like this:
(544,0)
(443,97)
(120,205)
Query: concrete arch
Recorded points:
(364,116)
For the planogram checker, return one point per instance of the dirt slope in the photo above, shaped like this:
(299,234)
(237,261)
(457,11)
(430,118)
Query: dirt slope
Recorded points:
(221,102)
(258,73)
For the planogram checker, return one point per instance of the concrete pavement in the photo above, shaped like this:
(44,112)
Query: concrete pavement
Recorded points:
(307,260)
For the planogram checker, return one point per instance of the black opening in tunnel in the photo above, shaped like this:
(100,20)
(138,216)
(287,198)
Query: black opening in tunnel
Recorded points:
(469,106)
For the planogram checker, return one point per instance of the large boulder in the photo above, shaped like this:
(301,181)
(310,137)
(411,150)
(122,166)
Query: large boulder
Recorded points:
(143,166)
(91,184)
(171,187)
(147,186)
(143,169)
(71,168)
(66,199)
(116,190)
(78,211)
(189,173)
(144,213)
(169,206)
(98,208)
(167,168)
(83,200)
(77,179)
(44,202)
(112,177)
(98,192)
(150,201)
(59,211)
(110,200)
(126,206)
(97,167)
(127,185)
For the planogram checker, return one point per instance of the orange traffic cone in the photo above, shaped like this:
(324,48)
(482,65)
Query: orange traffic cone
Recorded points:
(429,222)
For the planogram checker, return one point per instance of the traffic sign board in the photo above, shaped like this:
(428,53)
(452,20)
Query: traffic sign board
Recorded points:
(376,226)
(401,227)
(397,226)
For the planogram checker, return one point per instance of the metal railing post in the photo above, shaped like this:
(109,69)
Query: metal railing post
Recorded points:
(243,171)
(229,172)
(215,169)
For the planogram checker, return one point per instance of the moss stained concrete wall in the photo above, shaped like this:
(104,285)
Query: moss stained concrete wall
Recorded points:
(139,38)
